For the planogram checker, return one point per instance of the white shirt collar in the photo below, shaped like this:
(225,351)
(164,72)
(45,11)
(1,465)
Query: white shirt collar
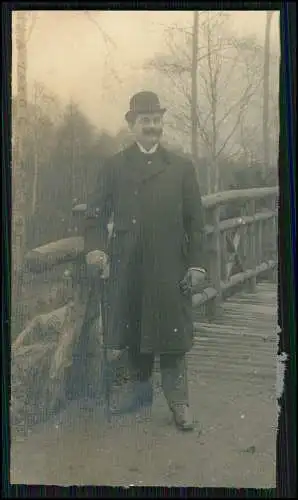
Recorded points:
(150,151)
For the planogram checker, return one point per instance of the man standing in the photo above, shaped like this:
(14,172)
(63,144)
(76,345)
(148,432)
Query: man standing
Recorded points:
(155,256)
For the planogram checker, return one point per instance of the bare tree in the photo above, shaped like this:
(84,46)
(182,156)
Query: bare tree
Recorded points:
(109,43)
(255,126)
(194,89)
(45,103)
(23,28)
(266,91)
(31,25)
(250,136)
(230,73)
(36,94)
(18,164)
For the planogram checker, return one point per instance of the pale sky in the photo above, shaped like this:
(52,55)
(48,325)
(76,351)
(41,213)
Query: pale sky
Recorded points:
(68,54)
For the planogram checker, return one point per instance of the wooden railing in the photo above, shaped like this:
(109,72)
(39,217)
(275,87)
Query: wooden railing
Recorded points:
(249,216)
(255,222)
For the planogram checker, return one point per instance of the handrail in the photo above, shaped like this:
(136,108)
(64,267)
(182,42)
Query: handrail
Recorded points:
(257,228)
(220,198)
(237,195)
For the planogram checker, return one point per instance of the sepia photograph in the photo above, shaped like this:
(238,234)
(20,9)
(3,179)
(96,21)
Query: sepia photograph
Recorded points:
(144,325)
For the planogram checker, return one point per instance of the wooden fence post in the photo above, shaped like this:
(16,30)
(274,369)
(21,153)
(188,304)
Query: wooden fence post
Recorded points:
(251,247)
(242,247)
(272,224)
(258,241)
(213,306)
(224,257)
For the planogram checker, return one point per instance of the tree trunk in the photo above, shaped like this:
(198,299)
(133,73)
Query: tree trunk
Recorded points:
(35,155)
(35,175)
(18,167)
(266,94)
(216,176)
(212,168)
(194,92)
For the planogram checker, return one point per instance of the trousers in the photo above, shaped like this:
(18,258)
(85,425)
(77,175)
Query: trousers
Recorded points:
(173,368)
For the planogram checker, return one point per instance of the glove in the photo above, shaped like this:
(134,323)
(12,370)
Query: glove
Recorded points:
(99,261)
(113,354)
(192,281)
(97,257)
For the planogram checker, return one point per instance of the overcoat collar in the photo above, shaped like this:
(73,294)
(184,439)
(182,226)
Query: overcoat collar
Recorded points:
(133,156)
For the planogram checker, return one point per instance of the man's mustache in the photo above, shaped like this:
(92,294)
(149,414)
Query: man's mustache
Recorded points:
(156,132)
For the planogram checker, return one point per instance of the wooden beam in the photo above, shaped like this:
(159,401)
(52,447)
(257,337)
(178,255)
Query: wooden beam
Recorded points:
(240,278)
(221,198)
(201,298)
(238,195)
(54,253)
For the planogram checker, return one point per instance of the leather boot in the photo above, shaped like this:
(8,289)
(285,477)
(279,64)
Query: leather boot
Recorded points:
(182,416)
(175,387)
(139,395)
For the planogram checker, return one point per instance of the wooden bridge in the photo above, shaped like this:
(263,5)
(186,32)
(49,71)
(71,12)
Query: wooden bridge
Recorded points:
(242,343)
(231,368)
(241,250)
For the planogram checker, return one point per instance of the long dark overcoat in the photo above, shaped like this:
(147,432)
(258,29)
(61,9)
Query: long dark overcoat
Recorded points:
(157,236)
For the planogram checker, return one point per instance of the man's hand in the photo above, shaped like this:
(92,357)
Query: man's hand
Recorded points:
(193,280)
(97,257)
(113,354)
(100,261)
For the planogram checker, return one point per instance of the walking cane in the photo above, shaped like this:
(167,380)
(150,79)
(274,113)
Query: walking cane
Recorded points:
(107,371)
(89,274)
(106,368)
(95,276)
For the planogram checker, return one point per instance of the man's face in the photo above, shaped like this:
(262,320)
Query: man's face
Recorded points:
(148,129)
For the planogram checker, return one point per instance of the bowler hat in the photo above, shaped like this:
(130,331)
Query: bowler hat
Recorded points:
(143,102)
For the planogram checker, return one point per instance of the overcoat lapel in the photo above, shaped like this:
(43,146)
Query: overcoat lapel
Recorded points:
(141,173)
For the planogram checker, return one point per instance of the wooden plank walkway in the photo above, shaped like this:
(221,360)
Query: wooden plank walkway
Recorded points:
(242,343)
(232,395)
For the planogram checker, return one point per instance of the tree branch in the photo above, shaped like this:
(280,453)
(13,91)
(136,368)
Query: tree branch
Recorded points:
(33,22)
(218,153)
(182,118)
(201,129)
(244,99)
(207,87)
(107,39)
(105,36)
(165,64)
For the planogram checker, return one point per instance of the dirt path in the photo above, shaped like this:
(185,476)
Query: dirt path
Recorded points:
(233,444)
